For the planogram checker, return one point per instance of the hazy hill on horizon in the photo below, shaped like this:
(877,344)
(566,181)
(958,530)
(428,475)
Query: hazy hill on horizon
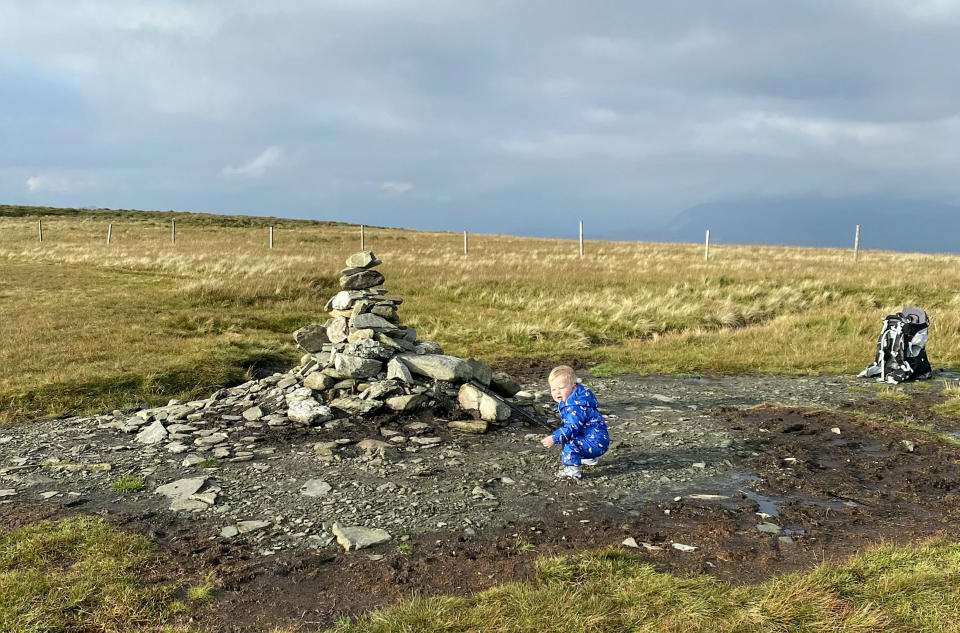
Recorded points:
(886,224)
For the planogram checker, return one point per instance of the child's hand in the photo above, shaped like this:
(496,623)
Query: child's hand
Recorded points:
(547,441)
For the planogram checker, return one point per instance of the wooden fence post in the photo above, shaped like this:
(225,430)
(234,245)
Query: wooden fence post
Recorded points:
(464,242)
(362,248)
(581,238)
(856,245)
(706,246)
(173,231)
(109,232)
(40,228)
(271,237)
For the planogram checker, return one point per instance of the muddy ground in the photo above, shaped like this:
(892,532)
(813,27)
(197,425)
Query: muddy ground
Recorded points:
(760,474)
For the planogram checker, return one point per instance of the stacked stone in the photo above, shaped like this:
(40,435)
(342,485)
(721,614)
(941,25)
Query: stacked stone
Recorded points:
(362,360)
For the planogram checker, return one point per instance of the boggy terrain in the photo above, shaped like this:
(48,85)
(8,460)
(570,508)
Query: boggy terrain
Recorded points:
(741,477)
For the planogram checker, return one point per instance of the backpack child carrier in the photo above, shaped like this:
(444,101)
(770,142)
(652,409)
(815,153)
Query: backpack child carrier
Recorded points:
(901,348)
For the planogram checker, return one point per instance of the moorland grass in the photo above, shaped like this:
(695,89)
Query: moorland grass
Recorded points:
(88,327)
(950,408)
(79,575)
(890,588)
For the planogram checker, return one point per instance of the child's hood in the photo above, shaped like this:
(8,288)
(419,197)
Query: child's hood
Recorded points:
(581,396)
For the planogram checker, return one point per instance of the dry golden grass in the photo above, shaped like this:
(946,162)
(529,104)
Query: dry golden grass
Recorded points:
(182,318)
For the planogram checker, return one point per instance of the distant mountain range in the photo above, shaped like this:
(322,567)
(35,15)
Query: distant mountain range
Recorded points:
(887,224)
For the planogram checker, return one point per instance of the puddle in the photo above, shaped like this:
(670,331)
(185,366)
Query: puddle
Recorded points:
(726,491)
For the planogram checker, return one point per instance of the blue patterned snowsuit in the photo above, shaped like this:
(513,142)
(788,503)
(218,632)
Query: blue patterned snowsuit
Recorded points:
(584,432)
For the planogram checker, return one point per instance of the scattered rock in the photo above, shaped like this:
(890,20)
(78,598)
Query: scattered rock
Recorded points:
(354,538)
(309,412)
(406,403)
(315,488)
(181,488)
(248,527)
(253,413)
(229,531)
(153,434)
(469,426)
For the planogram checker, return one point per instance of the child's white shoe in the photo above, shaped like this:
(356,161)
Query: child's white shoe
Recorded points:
(569,472)
(590,461)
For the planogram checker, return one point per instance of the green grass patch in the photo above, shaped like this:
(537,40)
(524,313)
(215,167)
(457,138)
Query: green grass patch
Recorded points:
(204,591)
(197,378)
(891,394)
(79,575)
(949,409)
(912,588)
(127,484)
(210,462)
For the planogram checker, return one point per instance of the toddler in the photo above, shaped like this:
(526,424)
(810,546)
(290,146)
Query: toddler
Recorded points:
(583,436)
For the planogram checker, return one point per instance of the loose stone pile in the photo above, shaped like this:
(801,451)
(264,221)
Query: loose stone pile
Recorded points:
(362,361)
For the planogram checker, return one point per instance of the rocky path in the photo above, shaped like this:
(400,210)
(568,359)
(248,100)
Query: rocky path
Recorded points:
(283,487)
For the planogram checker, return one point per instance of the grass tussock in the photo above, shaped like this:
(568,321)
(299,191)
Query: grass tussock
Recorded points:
(79,575)
(90,325)
(896,589)
(950,408)
(891,394)
(128,484)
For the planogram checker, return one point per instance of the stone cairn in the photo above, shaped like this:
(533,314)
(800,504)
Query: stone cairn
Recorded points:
(363,362)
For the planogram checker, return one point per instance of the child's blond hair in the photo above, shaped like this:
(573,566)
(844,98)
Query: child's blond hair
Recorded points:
(564,373)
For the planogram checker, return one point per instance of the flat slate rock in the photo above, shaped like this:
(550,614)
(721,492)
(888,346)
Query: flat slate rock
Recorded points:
(363,259)
(315,488)
(153,434)
(438,366)
(361,280)
(181,488)
(356,537)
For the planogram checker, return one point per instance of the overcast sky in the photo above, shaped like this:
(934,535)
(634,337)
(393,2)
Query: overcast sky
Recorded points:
(491,116)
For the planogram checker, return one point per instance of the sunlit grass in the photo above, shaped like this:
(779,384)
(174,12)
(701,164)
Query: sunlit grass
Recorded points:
(912,588)
(950,408)
(79,575)
(891,394)
(127,484)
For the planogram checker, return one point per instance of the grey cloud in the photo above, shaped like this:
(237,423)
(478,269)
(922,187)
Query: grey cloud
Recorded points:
(504,116)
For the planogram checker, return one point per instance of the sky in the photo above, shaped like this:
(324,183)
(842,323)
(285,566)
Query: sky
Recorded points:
(516,117)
